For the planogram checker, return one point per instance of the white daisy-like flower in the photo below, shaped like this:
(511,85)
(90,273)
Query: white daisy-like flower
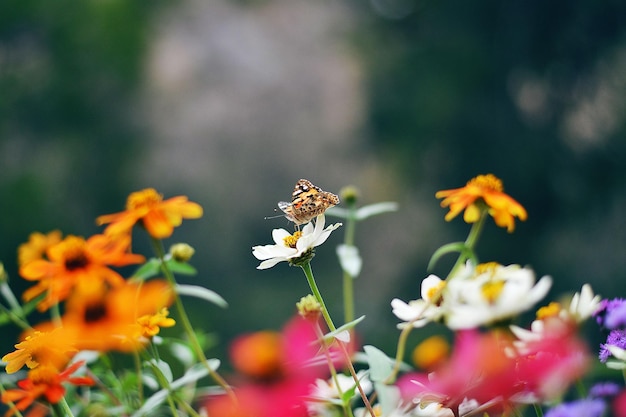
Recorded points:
(432,409)
(326,393)
(584,304)
(290,247)
(494,292)
(418,313)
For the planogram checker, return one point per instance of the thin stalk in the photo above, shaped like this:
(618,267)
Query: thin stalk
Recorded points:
(348,280)
(62,409)
(184,319)
(538,410)
(331,366)
(308,272)
(470,242)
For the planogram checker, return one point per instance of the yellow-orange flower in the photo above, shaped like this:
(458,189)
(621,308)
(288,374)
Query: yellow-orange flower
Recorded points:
(258,354)
(110,321)
(158,216)
(478,192)
(43,382)
(151,323)
(37,245)
(51,349)
(76,264)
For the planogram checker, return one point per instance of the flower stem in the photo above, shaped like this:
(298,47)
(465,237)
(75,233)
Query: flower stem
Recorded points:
(470,242)
(182,314)
(348,280)
(308,272)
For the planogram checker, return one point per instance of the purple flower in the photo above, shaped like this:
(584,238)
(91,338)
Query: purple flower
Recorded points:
(604,389)
(611,313)
(579,408)
(615,338)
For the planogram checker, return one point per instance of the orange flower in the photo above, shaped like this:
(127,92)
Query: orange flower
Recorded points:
(76,264)
(44,382)
(51,349)
(110,321)
(258,354)
(478,192)
(158,216)
(37,245)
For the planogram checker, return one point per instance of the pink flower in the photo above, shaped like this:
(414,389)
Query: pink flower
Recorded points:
(281,391)
(485,368)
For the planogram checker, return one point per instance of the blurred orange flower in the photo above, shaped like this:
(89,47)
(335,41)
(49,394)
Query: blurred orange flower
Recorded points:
(37,245)
(478,192)
(76,264)
(110,321)
(51,349)
(158,216)
(44,382)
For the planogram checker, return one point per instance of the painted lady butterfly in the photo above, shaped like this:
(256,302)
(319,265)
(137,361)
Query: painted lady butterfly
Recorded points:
(307,202)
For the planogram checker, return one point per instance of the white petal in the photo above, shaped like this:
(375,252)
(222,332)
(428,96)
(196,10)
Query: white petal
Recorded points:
(350,259)
(279,236)
(428,283)
(270,263)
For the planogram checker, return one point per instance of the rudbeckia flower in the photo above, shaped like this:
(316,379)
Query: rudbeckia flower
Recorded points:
(290,248)
(45,382)
(483,190)
(76,264)
(158,216)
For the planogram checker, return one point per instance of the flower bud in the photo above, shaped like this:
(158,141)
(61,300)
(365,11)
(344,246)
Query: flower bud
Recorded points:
(182,252)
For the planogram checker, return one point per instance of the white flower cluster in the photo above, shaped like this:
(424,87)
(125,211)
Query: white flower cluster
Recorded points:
(477,296)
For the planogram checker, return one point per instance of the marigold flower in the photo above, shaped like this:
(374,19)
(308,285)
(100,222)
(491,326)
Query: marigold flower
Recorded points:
(158,216)
(37,245)
(77,264)
(51,349)
(483,189)
(46,382)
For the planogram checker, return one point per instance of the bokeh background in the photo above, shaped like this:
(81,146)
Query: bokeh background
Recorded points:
(230,102)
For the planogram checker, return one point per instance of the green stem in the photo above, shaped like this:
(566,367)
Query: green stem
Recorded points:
(184,319)
(538,410)
(308,272)
(62,409)
(348,280)
(470,242)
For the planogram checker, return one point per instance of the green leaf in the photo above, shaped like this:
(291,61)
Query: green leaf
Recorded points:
(182,268)
(454,247)
(375,209)
(380,364)
(342,213)
(349,259)
(150,269)
(381,367)
(337,333)
(202,293)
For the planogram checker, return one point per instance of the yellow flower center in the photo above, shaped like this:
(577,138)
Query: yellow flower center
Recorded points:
(142,199)
(551,310)
(43,374)
(486,268)
(491,290)
(74,253)
(291,240)
(434,293)
(489,182)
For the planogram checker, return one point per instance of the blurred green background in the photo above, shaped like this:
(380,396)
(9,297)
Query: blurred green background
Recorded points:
(230,102)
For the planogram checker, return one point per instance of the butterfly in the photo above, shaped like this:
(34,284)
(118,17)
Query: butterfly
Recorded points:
(307,202)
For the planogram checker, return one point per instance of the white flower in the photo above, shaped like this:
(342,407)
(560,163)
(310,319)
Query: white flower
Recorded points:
(432,409)
(420,312)
(584,304)
(494,292)
(350,259)
(291,247)
(326,393)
